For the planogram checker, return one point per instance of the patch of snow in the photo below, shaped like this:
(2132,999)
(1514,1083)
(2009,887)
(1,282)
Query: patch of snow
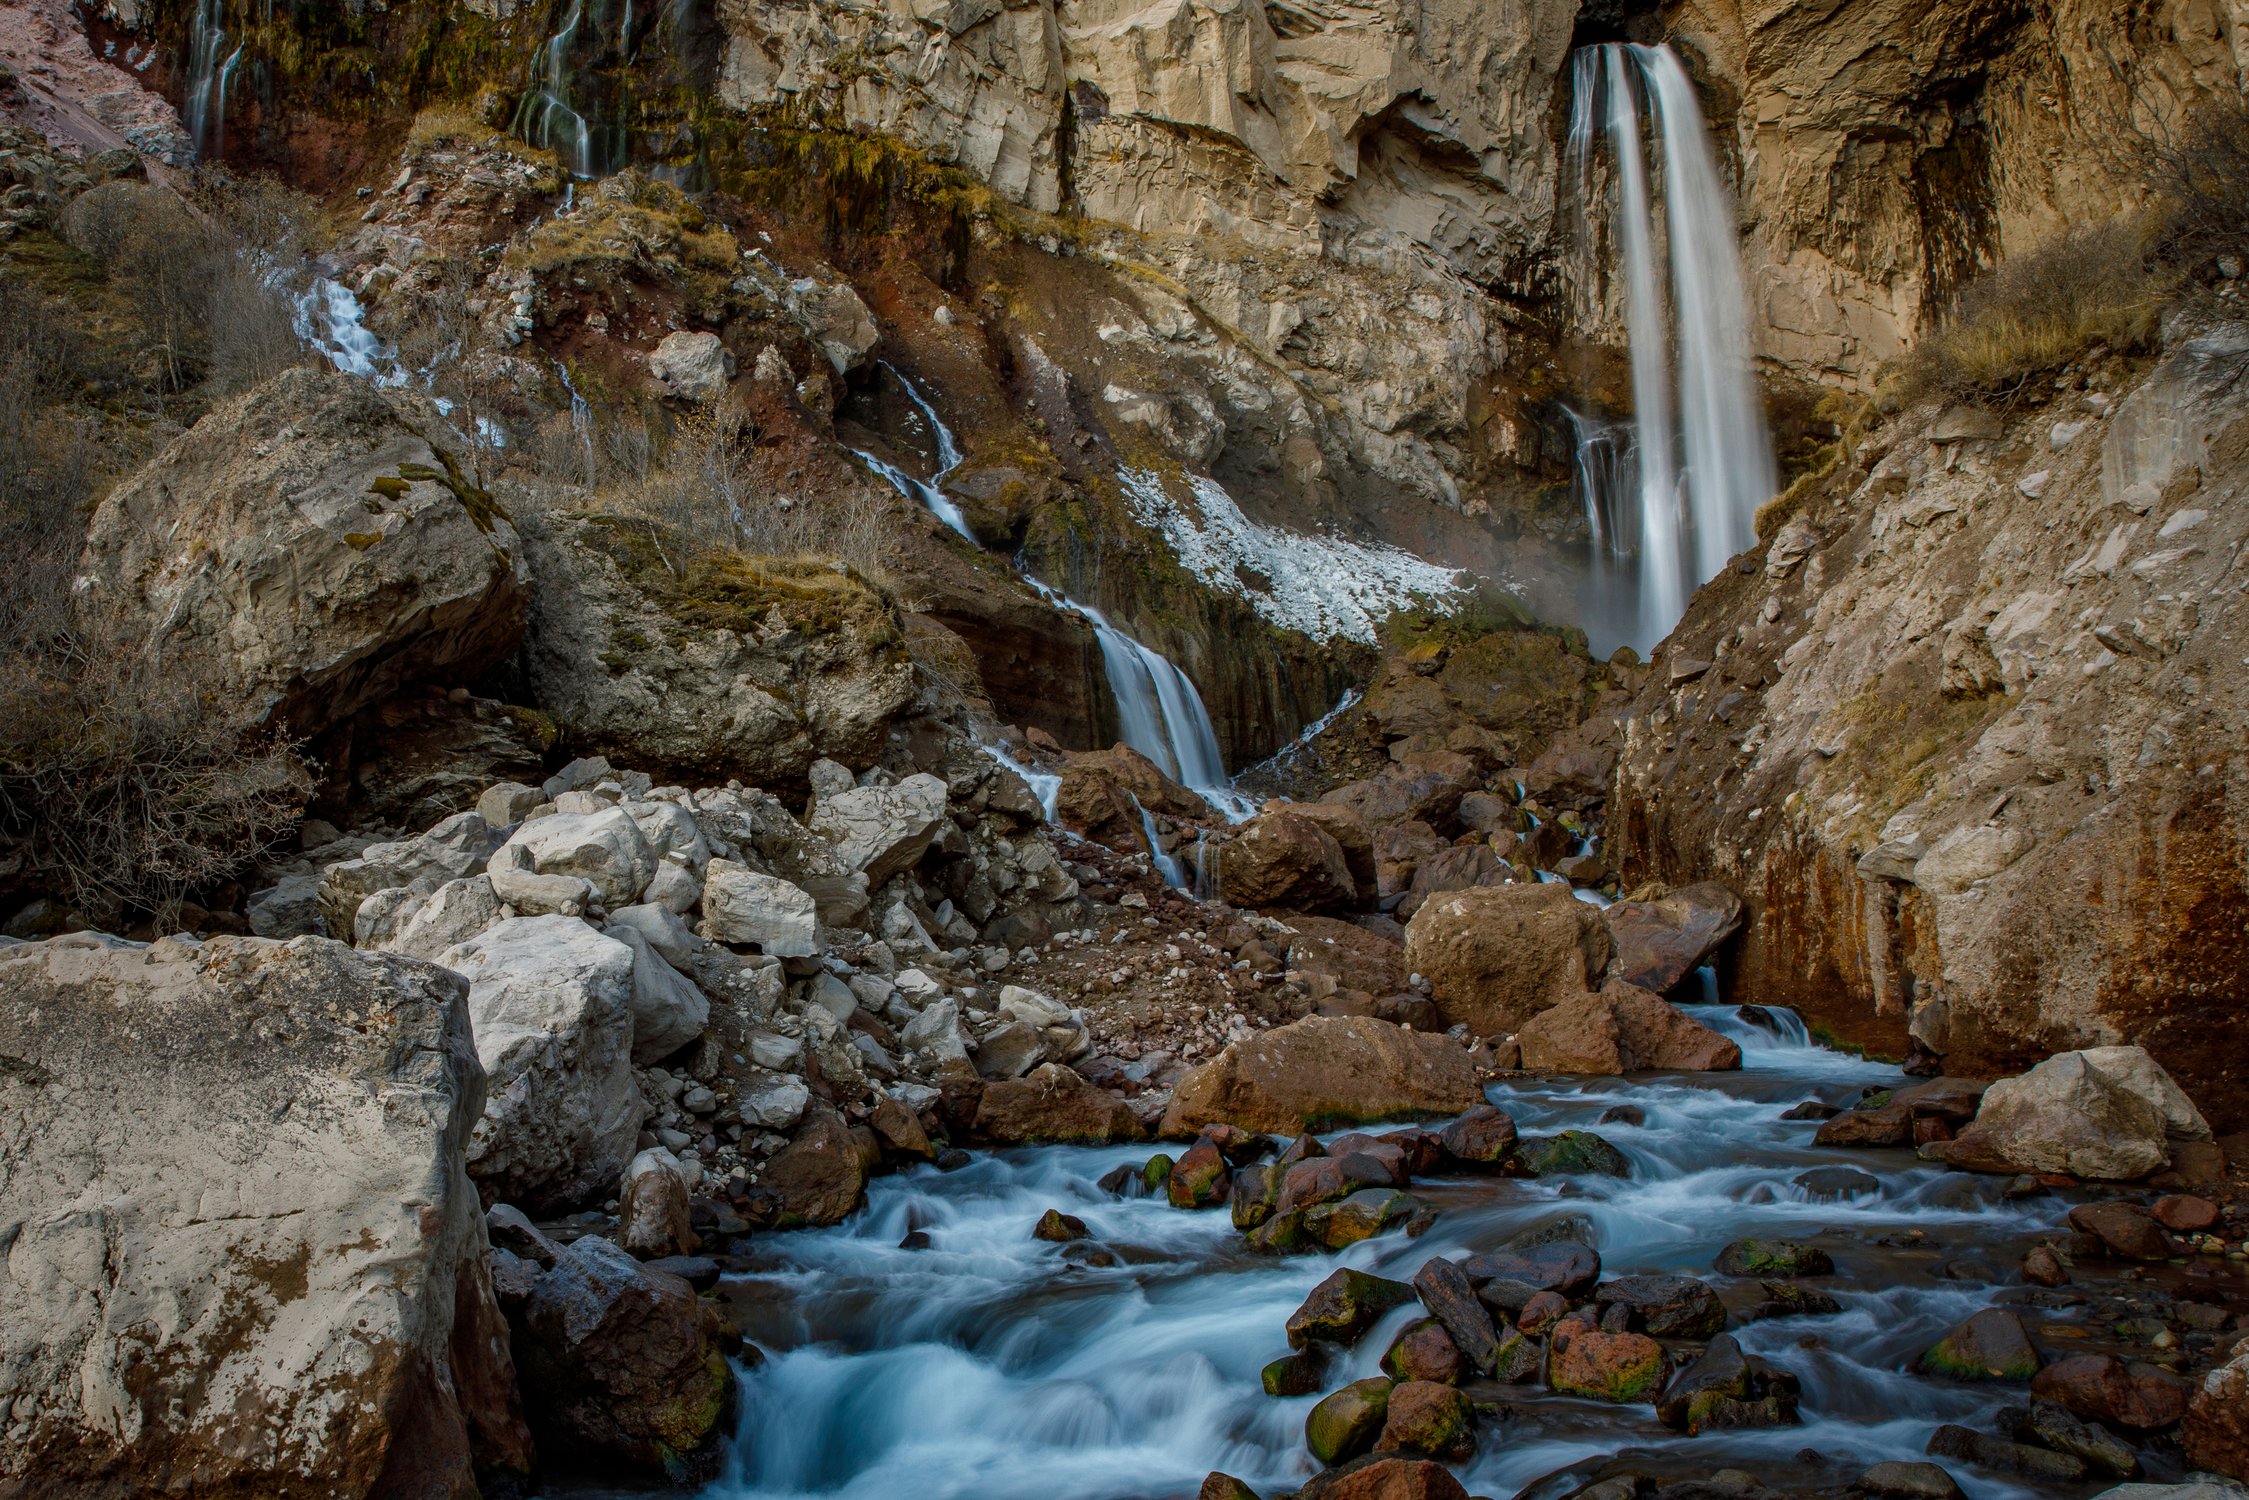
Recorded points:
(1324,586)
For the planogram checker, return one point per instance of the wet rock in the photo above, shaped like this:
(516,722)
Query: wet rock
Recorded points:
(2108,1114)
(1571,1153)
(652,1215)
(1786,1299)
(1299,1373)
(1058,1227)
(1565,1267)
(236,1167)
(1671,1307)
(1360,1216)
(1989,1346)
(1217,1486)
(2042,1267)
(1324,1179)
(1450,1296)
(820,1175)
(620,1363)
(2103,1388)
(2007,1457)
(1282,859)
(1888,1118)
(1347,1423)
(1660,942)
(1623,1114)
(1837,1182)
(1345,1306)
(1498,955)
(1379,1477)
(2216,1430)
(1773,1258)
(2048,1425)
(1253,1195)
(1540,1311)
(2126,1230)
(1427,1417)
(1053,1104)
(1323,1071)
(1199,1178)
(1623,1029)
(1725,1388)
(1587,1361)
(1899,1480)
(2184,1214)
(1424,1351)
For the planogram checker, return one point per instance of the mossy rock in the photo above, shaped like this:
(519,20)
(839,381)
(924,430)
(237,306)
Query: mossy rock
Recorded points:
(1573,1152)
(1343,1307)
(1755,1257)
(1991,1346)
(1297,1374)
(1346,1424)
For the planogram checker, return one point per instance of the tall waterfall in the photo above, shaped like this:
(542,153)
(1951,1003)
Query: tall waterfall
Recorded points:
(1702,460)
(212,57)
(549,117)
(1159,713)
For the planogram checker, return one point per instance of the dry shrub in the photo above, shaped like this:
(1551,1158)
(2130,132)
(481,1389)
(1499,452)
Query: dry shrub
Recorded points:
(2033,313)
(2199,177)
(128,778)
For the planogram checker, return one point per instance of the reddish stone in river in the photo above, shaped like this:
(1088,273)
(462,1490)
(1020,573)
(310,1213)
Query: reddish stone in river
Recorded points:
(2127,1231)
(2184,1214)
(2102,1387)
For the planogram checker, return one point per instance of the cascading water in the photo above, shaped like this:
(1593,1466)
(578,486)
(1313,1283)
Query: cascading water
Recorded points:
(1159,712)
(330,320)
(548,117)
(994,1366)
(212,57)
(1701,456)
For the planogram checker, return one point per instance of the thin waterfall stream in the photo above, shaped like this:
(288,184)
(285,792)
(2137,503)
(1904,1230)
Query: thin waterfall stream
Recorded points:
(996,1366)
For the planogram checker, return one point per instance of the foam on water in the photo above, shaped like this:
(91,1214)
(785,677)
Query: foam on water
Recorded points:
(989,1366)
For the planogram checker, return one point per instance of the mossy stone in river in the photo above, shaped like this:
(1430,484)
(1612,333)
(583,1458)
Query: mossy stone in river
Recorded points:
(1058,1227)
(1199,1178)
(1616,1367)
(1256,1192)
(1424,1352)
(1989,1346)
(1346,1424)
(1578,1152)
(1298,1374)
(1773,1258)
(1345,1306)
(1363,1215)
(1282,1234)
(1425,1417)
(1156,1176)
(1217,1486)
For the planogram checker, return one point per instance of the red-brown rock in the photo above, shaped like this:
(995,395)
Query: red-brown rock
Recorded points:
(2184,1214)
(2127,1230)
(1498,955)
(1321,1072)
(1281,858)
(1623,1029)
(2104,1388)
(1659,943)
(1383,1478)
(2216,1430)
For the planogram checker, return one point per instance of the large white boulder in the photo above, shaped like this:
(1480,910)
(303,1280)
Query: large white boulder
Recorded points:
(692,366)
(2107,1113)
(742,906)
(423,924)
(454,849)
(606,849)
(234,1184)
(551,1001)
(882,830)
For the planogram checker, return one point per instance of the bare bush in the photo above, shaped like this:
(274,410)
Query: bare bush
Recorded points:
(130,778)
(2199,175)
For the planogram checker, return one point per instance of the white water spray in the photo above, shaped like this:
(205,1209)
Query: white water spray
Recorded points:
(549,116)
(1701,458)
(212,57)
(330,320)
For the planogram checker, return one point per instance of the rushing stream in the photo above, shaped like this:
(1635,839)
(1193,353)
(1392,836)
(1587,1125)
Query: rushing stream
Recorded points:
(990,1366)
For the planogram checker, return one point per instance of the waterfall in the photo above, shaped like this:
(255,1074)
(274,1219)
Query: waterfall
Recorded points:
(1159,713)
(210,69)
(581,423)
(548,118)
(331,320)
(1166,864)
(1701,460)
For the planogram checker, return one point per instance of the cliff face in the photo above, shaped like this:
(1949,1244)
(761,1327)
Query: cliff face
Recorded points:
(1966,734)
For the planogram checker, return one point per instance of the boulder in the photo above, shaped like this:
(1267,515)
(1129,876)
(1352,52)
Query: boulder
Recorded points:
(605,849)
(1891,1119)
(424,926)
(1498,955)
(1343,1307)
(340,550)
(668,1010)
(2101,1387)
(551,1003)
(2124,1229)
(2216,1429)
(771,1101)
(1381,1476)
(1570,1152)
(652,1216)
(1053,1104)
(1897,1479)
(882,830)
(621,1363)
(661,929)
(1562,1267)
(1321,1072)
(288,908)
(821,1174)
(1282,859)
(692,366)
(1623,1029)
(1424,1416)
(1359,1216)
(1105,792)
(1483,1137)
(2035,1463)
(1660,942)
(2110,1114)
(454,850)
(1989,1346)
(1587,1361)
(1424,1351)
(1669,1307)
(1773,1258)
(1345,1424)
(236,1182)
(1725,1388)
(741,905)
(1444,1288)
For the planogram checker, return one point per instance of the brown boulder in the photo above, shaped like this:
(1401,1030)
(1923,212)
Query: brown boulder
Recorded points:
(1483,1137)
(1052,1103)
(2184,1214)
(1099,790)
(1320,1072)
(2101,1387)
(2216,1430)
(1351,835)
(1425,1416)
(1382,1478)
(1281,858)
(1498,955)
(1424,1351)
(1623,1029)
(1353,957)
(820,1175)
(2128,1231)
(1660,942)
(1461,867)
(1606,1366)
